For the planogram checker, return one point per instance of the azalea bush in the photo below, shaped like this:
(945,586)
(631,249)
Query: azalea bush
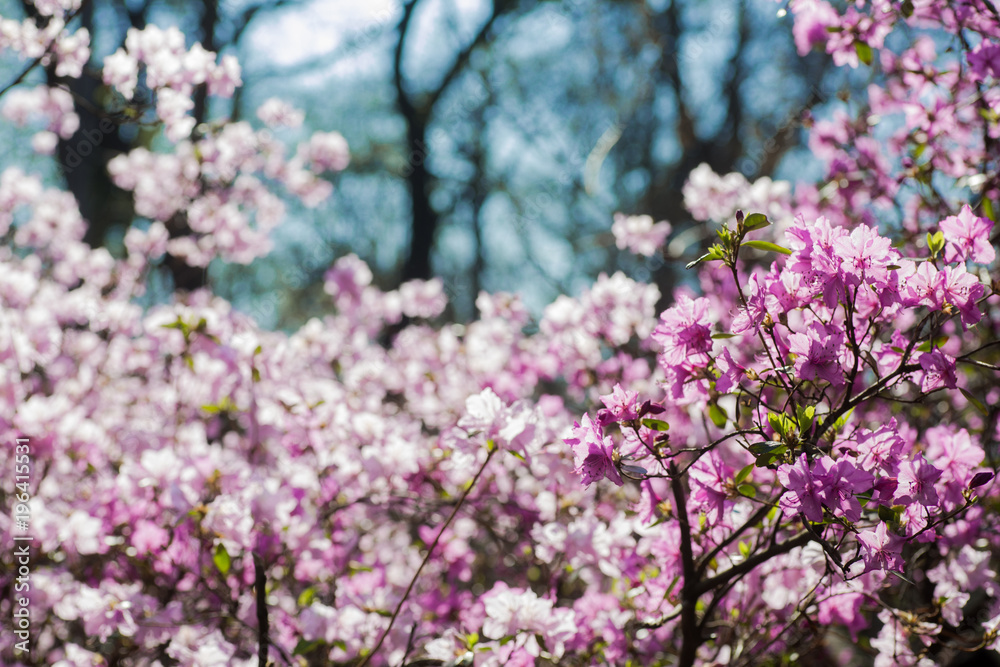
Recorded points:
(793,461)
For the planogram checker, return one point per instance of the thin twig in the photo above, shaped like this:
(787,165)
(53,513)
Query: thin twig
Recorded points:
(430,551)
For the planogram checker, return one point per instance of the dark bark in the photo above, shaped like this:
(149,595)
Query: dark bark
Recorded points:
(417,112)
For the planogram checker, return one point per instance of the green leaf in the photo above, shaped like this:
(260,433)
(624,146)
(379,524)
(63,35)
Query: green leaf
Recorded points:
(517,455)
(256,375)
(975,401)
(656,424)
(864,52)
(988,209)
(354,567)
(900,575)
(890,515)
(221,559)
(744,549)
(704,258)
(839,424)
(743,474)
(304,646)
(721,336)
(767,452)
(306,596)
(768,246)
(782,424)
(805,416)
(717,415)
(755,221)
(935,242)
(907,8)
(933,344)
(747,490)
(759,448)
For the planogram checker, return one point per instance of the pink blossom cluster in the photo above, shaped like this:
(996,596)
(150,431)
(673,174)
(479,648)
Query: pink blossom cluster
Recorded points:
(47,37)
(802,445)
(214,191)
(639,234)
(172,71)
(935,115)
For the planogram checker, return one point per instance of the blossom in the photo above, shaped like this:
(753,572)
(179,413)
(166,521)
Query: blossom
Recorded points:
(750,317)
(593,453)
(865,255)
(684,332)
(818,353)
(710,477)
(639,234)
(731,372)
(804,489)
(879,449)
(938,371)
(841,482)
(275,112)
(916,482)
(121,70)
(962,290)
(882,550)
(620,404)
(967,236)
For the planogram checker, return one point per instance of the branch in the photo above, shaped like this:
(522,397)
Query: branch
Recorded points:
(260,583)
(690,633)
(750,563)
(430,551)
(37,61)
(405,103)
(500,7)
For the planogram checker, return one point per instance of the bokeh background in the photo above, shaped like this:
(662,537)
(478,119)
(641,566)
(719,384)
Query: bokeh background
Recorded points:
(491,142)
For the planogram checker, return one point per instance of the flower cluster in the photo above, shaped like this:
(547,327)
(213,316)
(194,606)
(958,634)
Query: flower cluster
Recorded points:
(801,444)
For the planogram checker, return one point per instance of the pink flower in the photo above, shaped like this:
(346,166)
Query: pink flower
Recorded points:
(812,18)
(841,482)
(620,404)
(684,332)
(916,482)
(278,113)
(818,353)
(804,488)
(967,236)
(865,255)
(423,298)
(639,234)
(882,550)
(731,371)
(962,290)
(879,449)
(121,70)
(939,371)
(709,478)
(326,151)
(592,452)
(750,318)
